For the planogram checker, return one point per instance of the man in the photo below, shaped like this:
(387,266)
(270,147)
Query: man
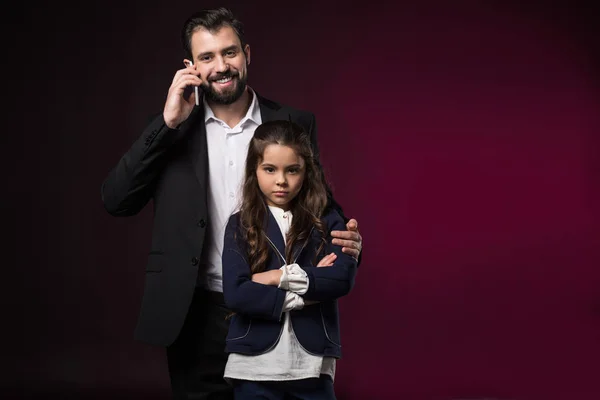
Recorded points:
(190,162)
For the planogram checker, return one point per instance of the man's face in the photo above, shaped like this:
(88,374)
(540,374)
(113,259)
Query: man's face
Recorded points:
(222,63)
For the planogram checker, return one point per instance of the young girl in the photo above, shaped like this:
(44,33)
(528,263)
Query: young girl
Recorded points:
(281,274)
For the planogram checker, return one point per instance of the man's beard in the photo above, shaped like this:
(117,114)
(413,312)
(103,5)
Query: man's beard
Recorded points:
(228,96)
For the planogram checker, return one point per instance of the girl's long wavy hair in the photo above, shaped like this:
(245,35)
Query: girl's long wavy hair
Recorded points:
(307,207)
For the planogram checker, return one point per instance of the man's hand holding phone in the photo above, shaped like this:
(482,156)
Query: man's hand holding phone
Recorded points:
(177,107)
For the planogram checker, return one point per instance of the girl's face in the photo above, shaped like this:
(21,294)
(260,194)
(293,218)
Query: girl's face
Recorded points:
(280,175)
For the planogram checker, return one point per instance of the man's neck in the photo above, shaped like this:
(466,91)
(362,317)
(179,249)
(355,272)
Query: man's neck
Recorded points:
(232,113)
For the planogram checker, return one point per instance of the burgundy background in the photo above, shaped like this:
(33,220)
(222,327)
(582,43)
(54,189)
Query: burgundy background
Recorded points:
(463,136)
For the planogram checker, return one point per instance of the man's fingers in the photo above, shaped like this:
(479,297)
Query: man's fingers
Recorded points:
(188,71)
(185,81)
(348,235)
(346,243)
(352,225)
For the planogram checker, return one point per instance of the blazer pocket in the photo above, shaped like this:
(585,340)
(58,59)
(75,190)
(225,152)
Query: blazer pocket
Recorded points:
(239,328)
(155,262)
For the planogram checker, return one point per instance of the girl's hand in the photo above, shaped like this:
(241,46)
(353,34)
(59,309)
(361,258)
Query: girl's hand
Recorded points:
(270,278)
(327,261)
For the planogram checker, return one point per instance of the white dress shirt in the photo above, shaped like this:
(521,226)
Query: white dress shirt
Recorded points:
(227,150)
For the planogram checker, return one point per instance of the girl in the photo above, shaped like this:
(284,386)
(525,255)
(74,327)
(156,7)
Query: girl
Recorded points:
(284,336)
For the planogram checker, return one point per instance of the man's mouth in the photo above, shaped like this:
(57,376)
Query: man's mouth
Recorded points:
(224,80)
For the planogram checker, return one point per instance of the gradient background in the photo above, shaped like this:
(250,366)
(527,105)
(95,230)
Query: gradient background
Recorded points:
(463,136)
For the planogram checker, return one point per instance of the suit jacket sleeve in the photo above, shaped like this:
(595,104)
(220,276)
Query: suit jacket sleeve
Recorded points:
(328,283)
(130,184)
(241,294)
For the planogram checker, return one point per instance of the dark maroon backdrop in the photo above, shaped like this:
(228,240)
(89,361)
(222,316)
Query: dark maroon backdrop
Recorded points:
(463,136)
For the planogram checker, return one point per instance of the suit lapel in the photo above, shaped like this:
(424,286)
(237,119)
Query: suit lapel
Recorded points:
(198,150)
(270,111)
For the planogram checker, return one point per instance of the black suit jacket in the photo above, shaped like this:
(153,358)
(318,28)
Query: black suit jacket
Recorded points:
(170,167)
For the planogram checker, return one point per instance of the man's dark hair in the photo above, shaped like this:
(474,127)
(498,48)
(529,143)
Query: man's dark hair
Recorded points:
(212,21)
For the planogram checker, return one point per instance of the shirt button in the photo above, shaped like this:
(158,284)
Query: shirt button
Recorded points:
(230,163)
(201,223)
(285,216)
(195,261)
(231,194)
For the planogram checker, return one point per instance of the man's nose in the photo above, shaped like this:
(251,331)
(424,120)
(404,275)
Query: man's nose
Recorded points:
(221,65)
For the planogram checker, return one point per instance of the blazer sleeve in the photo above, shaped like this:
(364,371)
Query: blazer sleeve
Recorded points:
(130,184)
(328,283)
(241,294)
(332,203)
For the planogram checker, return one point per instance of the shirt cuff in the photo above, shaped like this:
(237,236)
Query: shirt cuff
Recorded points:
(292,302)
(293,279)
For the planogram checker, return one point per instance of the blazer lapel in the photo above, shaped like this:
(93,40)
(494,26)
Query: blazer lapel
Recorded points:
(300,247)
(275,236)
(198,149)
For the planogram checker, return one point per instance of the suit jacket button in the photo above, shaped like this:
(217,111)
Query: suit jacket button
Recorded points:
(195,261)
(201,224)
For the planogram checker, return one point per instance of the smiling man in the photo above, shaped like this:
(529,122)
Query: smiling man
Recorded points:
(226,73)
(190,161)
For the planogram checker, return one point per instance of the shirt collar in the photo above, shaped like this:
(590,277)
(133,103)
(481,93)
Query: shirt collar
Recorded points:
(253,113)
(278,213)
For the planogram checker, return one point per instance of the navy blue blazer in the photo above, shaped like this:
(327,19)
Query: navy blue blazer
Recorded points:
(257,324)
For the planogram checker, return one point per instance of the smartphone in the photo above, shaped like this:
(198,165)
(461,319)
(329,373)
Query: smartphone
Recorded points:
(190,64)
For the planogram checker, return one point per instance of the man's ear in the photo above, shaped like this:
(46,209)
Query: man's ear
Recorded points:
(247,53)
